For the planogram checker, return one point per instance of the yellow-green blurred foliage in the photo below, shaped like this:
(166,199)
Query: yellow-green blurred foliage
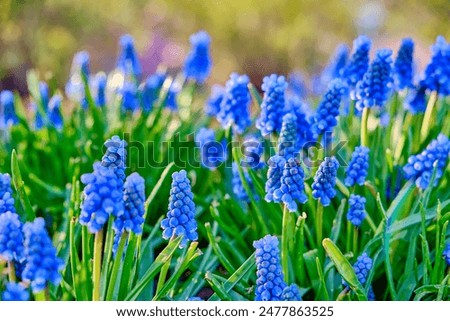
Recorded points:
(252,36)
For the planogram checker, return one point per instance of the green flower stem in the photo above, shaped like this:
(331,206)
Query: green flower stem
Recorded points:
(348,237)
(11,272)
(163,275)
(42,295)
(426,122)
(364,133)
(319,222)
(116,267)
(97,266)
(355,239)
(287,236)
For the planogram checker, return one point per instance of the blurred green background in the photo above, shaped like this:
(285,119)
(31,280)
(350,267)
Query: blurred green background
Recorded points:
(255,37)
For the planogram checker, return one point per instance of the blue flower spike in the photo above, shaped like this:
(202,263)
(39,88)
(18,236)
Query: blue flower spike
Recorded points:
(42,265)
(54,112)
(403,65)
(198,62)
(212,106)
(11,237)
(356,211)
(358,62)
(437,72)
(6,196)
(356,172)
(115,156)
(181,214)
(325,181)
(15,292)
(269,282)
(288,142)
(276,166)
(291,293)
(128,61)
(8,115)
(446,254)
(273,106)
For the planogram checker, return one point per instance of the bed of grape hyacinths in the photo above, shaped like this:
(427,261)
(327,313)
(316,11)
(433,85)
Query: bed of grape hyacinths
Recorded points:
(103,196)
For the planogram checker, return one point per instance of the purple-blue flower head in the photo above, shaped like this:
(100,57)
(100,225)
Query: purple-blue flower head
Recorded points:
(336,65)
(446,254)
(181,213)
(297,85)
(234,109)
(54,112)
(150,90)
(273,106)
(198,63)
(99,89)
(420,167)
(403,66)
(132,218)
(15,292)
(7,109)
(362,267)
(81,63)
(11,237)
(292,186)
(43,266)
(357,168)
(291,293)
(102,197)
(172,96)
(276,166)
(269,282)
(374,88)
(358,62)
(212,152)
(6,197)
(287,143)
(129,97)
(299,109)
(416,102)
(128,61)
(437,73)
(356,209)
(115,156)
(324,120)
(325,181)
(212,106)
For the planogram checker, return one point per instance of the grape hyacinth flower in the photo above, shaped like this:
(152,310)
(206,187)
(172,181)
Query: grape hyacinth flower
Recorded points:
(181,214)
(54,112)
(296,85)
(362,267)
(8,115)
(172,96)
(357,169)
(253,151)
(43,102)
(128,61)
(238,186)
(212,106)
(81,64)
(403,66)
(325,180)
(420,167)
(335,66)
(273,104)
(198,63)
(11,237)
(15,292)
(115,157)
(324,120)
(150,90)
(437,72)
(212,153)
(291,293)
(446,254)
(374,88)
(102,197)
(234,109)
(99,89)
(292,185)
(6,198)
(358,62)
(415,101)
(356,211)
(276,166)
(287,143)
(299,109)
(80,69)
(134,199)
(129,97)
(43,266)
(269,282)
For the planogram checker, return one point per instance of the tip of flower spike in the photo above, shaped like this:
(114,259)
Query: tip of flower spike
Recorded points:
(126,41)
(6,97)
(200,38)
(362,42)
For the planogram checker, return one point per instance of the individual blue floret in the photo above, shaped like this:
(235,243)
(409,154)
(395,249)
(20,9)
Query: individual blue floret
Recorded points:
(358,62)
(356,209)
(269,282)
(273,106)
(181,214)
(11,237)
(291,293)
(102,197)
(403,66)
(446,254)
(420,167)
(15,292)
(276,166)
(150,90)
(437,72)
(198,63)
(362,267)
(54,112)
(115,157)
(212,106)
(374,88)
(8,115)
(132,218)
(43,266)
(6,196)
(128,61)
(324,120)
(357,168)
(234,109)
(325,180)
(292,187)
